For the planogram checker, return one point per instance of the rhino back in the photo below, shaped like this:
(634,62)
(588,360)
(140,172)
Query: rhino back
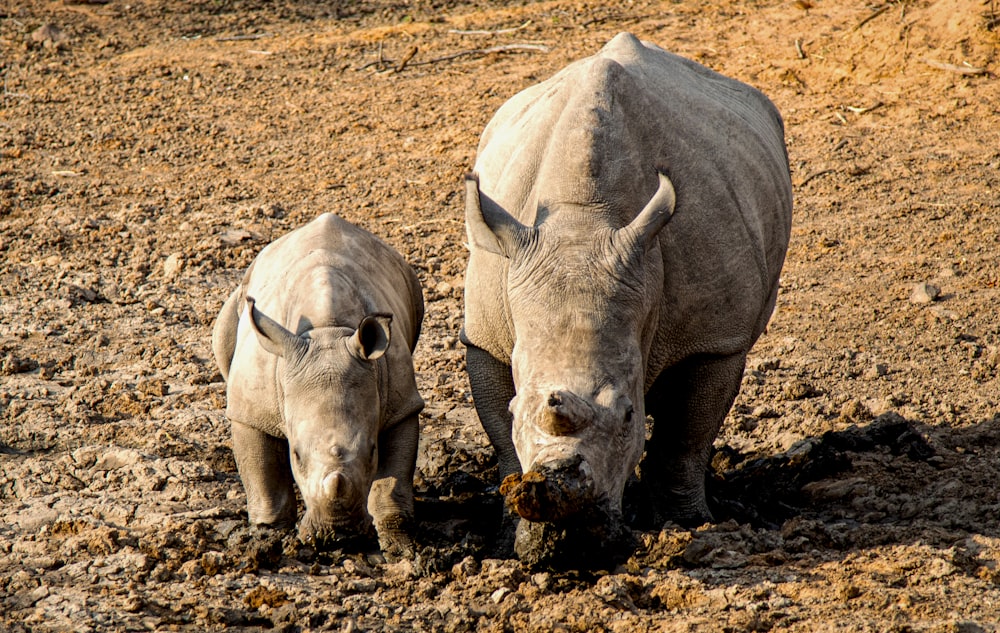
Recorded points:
(591,137)
(328,272)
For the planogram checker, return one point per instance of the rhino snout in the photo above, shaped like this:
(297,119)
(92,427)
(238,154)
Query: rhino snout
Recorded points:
(339,512)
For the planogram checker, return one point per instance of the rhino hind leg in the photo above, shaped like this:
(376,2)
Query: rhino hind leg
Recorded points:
(688,403)
(266,472)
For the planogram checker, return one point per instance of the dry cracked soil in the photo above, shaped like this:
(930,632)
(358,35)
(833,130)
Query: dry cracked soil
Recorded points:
(150,148)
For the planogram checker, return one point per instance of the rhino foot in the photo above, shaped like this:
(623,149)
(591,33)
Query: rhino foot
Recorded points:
(394,537)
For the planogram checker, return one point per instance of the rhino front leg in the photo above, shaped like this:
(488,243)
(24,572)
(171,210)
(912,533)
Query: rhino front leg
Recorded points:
(266,472)
(391,499)
(492,390)
(689,403)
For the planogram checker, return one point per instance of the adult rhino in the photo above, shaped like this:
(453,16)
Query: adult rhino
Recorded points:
(320,387)
(627,222)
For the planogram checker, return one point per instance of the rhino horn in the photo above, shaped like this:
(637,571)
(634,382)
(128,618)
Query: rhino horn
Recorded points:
(371,339)
(565,413)
(654,215)
(489,226)
(334,484)
(272,336)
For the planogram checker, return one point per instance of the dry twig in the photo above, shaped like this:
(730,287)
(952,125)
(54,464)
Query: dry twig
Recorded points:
(497,32)
(507,48)
(406,59)
(856,110)
(877,12)
(239,38)
(962,70)
(815,174)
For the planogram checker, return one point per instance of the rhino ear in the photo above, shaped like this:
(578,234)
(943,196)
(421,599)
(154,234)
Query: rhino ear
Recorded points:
(272,336)
(371,339)
(655,215)
(488,225)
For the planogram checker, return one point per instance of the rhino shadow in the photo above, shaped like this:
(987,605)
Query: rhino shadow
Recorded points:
(800,498)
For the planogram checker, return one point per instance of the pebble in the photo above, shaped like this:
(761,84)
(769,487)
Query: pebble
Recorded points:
(173,265)
(924,293)
(799,390)
(876,371)
(48,34)
(498,595)
(764,411)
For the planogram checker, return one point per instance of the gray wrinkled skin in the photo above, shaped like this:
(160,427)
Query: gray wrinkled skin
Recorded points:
(315,345)
(627,221)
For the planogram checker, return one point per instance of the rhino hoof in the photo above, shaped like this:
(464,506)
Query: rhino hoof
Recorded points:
(394,537)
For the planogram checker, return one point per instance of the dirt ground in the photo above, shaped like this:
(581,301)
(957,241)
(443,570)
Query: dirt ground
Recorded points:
(150,148)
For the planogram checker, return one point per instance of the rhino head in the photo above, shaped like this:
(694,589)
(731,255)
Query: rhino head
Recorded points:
(583,299)
(330,403)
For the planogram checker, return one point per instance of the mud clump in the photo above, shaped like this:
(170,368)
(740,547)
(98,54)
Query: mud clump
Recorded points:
(563,523)
(550,491)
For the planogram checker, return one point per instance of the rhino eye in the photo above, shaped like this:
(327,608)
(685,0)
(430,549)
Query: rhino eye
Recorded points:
(295,456)
(628,414)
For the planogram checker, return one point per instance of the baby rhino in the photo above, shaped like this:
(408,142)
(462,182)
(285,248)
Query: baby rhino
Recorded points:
(315,345)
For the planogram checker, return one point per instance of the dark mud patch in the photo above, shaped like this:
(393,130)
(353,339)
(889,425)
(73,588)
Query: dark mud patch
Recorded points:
(767,491)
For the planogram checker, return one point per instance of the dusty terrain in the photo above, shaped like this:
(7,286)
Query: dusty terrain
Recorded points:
(150,148)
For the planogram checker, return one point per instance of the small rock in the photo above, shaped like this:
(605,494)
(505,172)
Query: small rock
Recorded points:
(542,580)
(48,34)
(466,568)
(498,595)
(764,364)
(117,458)
(943,314)
(924,293)
(938,568)
(799,390)
(443,288)
(854,410)
(235,237)
(172,266)
(764,411)
(876,371)
(27,599)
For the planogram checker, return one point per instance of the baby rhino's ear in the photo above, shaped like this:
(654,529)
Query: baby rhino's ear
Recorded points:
(371,339)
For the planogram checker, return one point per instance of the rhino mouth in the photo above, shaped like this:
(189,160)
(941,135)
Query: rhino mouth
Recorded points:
(330,531)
